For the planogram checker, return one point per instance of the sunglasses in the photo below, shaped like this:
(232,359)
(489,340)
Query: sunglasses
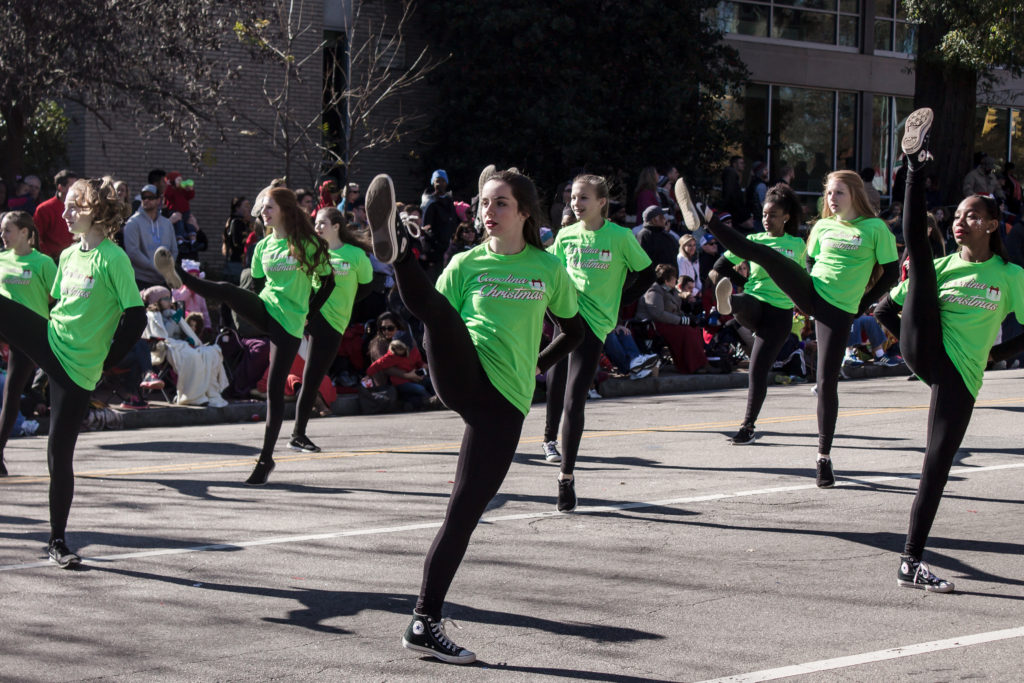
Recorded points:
(388,328)
(151,197)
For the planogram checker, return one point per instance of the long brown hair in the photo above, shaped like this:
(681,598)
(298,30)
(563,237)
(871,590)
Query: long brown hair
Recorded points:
(299,225)
(345,231)
(855,184)
(525,194)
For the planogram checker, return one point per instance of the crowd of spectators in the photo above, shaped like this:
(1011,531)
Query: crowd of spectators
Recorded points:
(197,353)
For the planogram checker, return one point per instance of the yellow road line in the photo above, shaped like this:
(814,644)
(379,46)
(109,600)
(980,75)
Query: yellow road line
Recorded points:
(454,445)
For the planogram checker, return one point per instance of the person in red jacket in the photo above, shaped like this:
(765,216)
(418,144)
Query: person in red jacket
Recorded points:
(405,368)
(54,236)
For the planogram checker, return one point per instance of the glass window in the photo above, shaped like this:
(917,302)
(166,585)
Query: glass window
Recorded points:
(751,110)
(906,38)
(814,27)
(846,131)
(883,35)
(881,142)
(829,22)
(801,130)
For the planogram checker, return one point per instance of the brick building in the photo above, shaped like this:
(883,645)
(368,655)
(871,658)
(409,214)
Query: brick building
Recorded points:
(246,159)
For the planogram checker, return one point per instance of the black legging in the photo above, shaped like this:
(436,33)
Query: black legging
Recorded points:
(323,349)
(283,347)
(920,335)
(569,380)
(493,426)
(20,369)
(25,330)
(831,324)
(771,326)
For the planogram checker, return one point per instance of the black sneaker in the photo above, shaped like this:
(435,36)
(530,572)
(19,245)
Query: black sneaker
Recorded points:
(303,444)
(391,239)
(427,636)
(566,495)
(60,554)
(3,468)
(744,437)
(915,136)
(261,473)
(915,574)
(826,478)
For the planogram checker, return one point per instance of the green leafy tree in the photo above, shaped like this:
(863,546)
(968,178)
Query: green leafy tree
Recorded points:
(45,146)
(962,44)
(153,62)
(557,87)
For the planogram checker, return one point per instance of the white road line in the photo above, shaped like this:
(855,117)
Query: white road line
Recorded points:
(213,547)
(869,657)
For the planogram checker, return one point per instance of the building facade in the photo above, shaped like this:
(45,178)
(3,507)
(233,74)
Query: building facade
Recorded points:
(831,86)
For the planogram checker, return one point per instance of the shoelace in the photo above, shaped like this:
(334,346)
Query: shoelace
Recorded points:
(923,572)
(437,627)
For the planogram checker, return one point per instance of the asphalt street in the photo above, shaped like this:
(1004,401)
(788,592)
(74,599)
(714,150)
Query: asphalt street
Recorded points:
(689,559)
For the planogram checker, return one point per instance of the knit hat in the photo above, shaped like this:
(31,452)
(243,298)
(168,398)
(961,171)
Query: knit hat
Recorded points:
(151,295)
(439,173)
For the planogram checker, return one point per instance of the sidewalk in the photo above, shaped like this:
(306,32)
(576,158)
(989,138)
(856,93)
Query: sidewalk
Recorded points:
(162,414)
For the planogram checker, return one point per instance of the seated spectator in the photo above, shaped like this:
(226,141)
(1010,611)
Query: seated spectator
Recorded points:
(464,239)
(406,371)
(134,374)
(26,194)
(388,326)
(622,351)
(192,302)
(687,262)
(193,240)
(326,394)
(866,327)
(663,305)
(200,369)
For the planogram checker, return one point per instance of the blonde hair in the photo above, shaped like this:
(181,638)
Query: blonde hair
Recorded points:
(600,186)
(855,184)
(398,347)
(686,239)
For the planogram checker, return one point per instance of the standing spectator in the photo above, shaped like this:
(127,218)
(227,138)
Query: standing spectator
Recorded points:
(465,238)
(439,221)
(233,239)
(178,196)
(732,189)
(709,253)
(655,238)
(307,200)
(874,197)
(328,195)
(158,178)
(646,191)
(786,175)
(352,193)
(757,188)
(144,232)
(982,178)
(54,236)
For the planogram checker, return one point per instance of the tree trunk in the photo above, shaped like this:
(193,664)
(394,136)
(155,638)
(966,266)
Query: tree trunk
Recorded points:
(12,146)
(952,92)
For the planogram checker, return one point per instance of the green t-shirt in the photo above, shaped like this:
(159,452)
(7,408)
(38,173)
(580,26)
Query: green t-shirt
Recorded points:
(27,279)
(597,261)
(845,254)
(352,268)
(92,289)
(502,300)
(286,292)
(974,299)
(759,284)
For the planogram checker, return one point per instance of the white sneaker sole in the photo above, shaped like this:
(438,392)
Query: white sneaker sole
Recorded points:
(916,130)
(690,215)
(931,589)
(450,659)
(163,261)
(723,290)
